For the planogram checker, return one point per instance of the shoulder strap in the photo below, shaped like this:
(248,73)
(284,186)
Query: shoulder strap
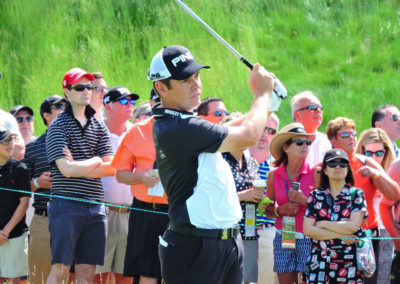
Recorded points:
(353,193)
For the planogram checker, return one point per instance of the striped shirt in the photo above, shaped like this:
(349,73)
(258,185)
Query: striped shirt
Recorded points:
(263,220)
(91,140)
(36,161)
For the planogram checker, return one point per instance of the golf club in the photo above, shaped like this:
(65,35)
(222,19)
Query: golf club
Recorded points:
(279,89)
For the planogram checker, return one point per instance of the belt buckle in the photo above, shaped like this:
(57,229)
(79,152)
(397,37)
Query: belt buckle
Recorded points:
(119,209)
(154,206)
(224,234)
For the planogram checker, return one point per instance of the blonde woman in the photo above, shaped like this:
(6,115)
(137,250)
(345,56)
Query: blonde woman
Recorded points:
(376,144)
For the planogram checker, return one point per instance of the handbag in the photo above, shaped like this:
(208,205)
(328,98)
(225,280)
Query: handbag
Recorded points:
(364,250)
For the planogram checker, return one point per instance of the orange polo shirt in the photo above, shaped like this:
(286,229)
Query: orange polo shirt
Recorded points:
(369,191)
(137,153)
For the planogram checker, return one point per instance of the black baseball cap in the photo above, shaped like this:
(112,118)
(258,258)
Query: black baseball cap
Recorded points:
(335,154)
(17,108)
(175,62)
(5,133)
(117,93)
(49,101)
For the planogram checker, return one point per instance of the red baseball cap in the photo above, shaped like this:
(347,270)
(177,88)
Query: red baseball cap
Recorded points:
(74,75)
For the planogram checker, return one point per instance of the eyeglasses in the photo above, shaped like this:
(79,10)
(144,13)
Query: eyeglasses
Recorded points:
(219,113)
(8,141)
(101,89)
(334,164)
(395,117)
(270,130)
(311,107)
(125,101)
(300,142)
(346,134)
(379,153)
(58,106)
(80,88)
(21,119)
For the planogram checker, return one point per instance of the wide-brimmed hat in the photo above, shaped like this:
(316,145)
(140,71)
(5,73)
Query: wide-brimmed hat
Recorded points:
(286,133)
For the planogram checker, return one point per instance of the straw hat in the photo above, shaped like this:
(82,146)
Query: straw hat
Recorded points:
(286,133)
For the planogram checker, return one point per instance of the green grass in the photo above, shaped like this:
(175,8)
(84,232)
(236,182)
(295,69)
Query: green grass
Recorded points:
(346,52)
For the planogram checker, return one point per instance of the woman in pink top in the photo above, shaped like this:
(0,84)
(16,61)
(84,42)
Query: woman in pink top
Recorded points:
(290,148)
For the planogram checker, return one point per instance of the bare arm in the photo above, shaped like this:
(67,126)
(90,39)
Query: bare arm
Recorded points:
(130,178)
(71,169)
(343,227)
(44,181)
(318,233)
(19,213)
(381,180)
(389,223)
(251,127)
(102,170)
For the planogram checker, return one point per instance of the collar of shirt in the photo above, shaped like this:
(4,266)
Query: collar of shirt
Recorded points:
(89,111)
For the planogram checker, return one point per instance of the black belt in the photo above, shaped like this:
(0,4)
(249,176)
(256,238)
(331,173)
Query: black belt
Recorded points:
(41,212)
(223,234)
(151,205)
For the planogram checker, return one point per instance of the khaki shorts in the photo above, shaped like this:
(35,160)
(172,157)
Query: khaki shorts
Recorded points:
(14,257)
(117,235)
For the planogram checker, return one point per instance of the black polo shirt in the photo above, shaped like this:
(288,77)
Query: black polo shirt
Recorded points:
(91,140)
(198,182)
(36,161)
(13,175)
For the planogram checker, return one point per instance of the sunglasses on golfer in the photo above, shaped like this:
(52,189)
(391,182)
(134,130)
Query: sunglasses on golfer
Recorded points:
(125,101)
(8,141)
(57,106)
(334,164)
(346,134)
(270,130)
(21,119)
(379,153)
(219,113)
(395,117)
(300,142)
(311,107)
(80,88)
(101,89)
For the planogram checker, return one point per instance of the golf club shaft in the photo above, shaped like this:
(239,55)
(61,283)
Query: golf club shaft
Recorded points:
(211,31)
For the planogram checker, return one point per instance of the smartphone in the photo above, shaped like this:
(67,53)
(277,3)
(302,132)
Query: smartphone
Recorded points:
(295,185)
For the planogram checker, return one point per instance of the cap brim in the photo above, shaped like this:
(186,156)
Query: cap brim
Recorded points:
(337,157)
(25,108)
(280,139)
(133,96)
(189,71)
(89,76)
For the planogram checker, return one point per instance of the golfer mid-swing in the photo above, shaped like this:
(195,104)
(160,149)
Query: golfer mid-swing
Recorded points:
(202,244)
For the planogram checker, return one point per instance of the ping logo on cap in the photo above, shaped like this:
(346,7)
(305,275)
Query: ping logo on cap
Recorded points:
(182,58)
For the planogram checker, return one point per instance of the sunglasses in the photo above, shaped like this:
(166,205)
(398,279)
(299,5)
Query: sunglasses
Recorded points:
(219,113)
(395,117)
(148,114)
(101,89)
(270,130)
(125,101)
(346,134)
(58,106)
(8,141)
(379,153)
(311,107)
(300,142)
(21,119)
(80,88)
(334,164)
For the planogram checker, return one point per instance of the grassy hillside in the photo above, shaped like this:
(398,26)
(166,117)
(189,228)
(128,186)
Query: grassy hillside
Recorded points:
(346,52)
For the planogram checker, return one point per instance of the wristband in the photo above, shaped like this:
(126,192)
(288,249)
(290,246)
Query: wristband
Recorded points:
(276,212)
(36,183)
